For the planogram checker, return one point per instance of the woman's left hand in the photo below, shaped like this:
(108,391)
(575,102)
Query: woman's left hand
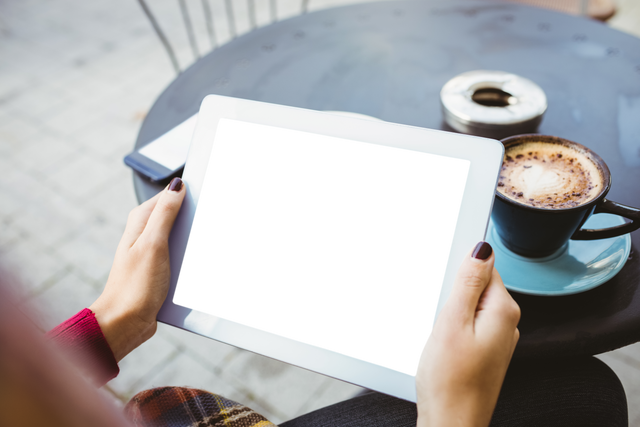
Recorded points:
(139,279)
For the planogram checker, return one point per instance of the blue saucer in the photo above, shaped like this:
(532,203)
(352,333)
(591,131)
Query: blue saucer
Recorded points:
(577,267)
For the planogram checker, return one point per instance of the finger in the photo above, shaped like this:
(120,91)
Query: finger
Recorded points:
(474,275)
(164,214)
(492,293)
(507,306)
(137,221)
(498,310)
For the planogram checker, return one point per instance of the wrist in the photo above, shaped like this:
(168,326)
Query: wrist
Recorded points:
(123,331)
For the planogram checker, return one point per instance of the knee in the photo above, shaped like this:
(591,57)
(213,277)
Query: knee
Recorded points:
(581,392)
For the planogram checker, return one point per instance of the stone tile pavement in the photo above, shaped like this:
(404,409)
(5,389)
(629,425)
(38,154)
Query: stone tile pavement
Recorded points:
(76,80)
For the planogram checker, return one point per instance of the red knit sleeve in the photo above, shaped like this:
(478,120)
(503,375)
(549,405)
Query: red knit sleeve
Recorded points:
(81,335)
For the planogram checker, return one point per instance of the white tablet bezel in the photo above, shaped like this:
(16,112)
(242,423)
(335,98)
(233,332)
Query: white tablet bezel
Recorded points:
(485,156)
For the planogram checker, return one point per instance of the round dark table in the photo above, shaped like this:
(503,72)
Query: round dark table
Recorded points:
(390,60)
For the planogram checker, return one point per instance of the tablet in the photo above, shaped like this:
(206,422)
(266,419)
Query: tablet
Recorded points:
(323,241)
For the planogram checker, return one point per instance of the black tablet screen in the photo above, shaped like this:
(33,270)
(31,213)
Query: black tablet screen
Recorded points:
(335,243)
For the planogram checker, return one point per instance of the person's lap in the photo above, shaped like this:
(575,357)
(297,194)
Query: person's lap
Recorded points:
(573,392)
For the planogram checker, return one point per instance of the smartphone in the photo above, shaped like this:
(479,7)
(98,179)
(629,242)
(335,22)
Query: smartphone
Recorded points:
(164,157)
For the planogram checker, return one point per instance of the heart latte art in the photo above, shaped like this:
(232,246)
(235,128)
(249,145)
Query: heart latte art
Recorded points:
(549,176)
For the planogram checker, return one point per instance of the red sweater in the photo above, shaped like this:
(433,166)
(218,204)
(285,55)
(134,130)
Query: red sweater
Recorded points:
(81,334)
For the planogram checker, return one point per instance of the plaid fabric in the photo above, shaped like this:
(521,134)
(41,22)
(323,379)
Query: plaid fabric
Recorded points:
(189,407)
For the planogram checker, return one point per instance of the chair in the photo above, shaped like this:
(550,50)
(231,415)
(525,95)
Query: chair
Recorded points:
(247,11)
(208,17)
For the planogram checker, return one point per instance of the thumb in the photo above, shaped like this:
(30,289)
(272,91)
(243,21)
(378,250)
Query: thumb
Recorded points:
(164,213)
(471,281)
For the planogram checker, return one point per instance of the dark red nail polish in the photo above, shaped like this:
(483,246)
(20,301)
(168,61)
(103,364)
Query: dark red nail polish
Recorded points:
(175,184)
(482,251)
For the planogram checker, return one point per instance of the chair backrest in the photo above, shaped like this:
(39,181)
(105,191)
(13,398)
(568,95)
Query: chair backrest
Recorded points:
(203,25)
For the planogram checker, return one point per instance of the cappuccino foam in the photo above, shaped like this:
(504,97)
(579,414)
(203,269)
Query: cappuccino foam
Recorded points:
(549,176)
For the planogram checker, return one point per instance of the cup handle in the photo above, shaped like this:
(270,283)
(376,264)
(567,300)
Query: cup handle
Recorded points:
(608,206)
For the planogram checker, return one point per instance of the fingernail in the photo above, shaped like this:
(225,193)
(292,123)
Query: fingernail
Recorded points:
(175,184)
(482,251)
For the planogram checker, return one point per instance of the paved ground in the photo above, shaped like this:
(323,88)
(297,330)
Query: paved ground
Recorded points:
(76,79)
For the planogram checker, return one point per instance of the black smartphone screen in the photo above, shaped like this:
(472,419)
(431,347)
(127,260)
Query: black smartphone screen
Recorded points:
(335,243)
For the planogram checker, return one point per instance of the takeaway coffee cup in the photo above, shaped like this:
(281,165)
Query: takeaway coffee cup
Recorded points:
(548,188)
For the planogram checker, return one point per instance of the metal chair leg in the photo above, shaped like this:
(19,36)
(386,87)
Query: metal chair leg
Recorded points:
(189,28)
(208,17)
(161,36)
(231,18)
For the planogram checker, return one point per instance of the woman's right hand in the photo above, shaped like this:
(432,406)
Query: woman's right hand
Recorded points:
(139,279)
(465,360)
